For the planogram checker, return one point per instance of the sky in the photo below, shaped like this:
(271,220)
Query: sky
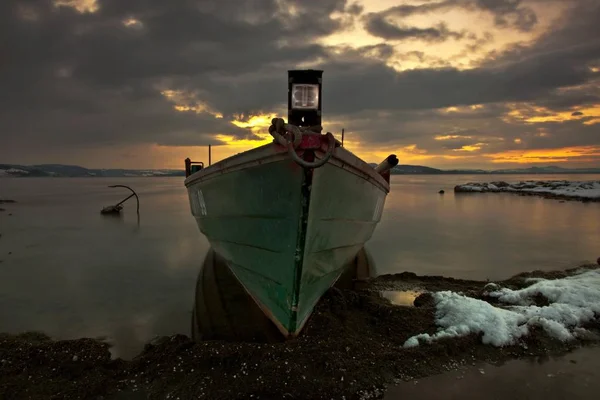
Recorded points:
(447,83)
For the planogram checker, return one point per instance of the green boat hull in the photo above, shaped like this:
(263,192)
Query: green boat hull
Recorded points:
(287,232)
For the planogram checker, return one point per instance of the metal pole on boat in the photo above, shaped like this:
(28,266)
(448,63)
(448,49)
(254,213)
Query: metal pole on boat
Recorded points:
(342,137)
(384,169)
(209,155)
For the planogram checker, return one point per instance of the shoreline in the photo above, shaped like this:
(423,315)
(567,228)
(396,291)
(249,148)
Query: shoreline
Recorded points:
(582,191)
(352,348)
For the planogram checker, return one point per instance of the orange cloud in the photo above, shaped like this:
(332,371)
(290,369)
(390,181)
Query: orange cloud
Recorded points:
(82,6)
(188,102)
(533,114)
(236,145)
(576,153)
(258,124)
(449,137)
(470,110)
(407,154)
(132,23)
(474,147)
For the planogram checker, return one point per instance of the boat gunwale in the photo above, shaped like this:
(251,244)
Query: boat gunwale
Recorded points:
(275,152)
(245,159)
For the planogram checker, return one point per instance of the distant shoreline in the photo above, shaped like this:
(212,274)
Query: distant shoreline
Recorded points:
(182,174)
(75,171)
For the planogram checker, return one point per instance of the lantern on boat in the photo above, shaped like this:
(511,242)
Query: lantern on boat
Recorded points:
(304,97)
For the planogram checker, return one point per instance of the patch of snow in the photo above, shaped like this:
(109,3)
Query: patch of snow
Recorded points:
(18,171)
(579,189)
(574,301)
(471,187)
(13,172)
(458,315)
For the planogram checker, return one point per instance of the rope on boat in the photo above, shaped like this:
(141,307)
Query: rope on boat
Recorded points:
(281,132)
(319,162)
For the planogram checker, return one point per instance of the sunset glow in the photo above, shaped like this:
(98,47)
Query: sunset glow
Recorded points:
(83,6)
(453,84)
(450,137)
(258,124)
(533,114)
(188,102)
(132,22)
(474,147)
(582,153)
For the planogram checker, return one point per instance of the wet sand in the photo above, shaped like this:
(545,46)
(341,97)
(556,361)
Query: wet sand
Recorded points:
(351,348)
(573,376)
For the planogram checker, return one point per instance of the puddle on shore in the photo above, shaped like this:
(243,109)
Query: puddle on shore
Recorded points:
(573,376)
(400,297)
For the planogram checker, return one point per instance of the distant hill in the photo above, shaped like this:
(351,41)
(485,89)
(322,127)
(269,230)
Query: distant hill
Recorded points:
(415,169)
(419,169)
(547,170)
(75,171)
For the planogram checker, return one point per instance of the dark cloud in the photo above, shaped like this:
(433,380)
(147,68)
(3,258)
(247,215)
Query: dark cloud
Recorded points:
(526,74)
(378,26)
(74,79)
(581,96)
(509,13)
(576,114)
(354,9)
(506,13)
(89,78)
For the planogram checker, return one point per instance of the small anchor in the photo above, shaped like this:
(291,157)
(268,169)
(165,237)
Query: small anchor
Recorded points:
(116,209)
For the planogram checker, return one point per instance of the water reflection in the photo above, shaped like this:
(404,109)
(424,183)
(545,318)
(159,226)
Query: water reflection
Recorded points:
(480,236)
(119,218)
(573,376)
(113,217)
(72,273)
(401,297)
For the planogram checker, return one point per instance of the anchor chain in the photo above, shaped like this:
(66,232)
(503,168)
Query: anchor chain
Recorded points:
(290,136)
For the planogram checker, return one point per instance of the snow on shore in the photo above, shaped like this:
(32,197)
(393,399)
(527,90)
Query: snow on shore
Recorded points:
(574,301)
(575,189)
(13,172)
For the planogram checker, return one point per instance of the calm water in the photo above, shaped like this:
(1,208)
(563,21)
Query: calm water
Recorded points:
(74,273)
(572,376)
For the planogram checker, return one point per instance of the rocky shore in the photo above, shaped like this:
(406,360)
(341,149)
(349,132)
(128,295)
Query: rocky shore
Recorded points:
(585,191)
(352,348)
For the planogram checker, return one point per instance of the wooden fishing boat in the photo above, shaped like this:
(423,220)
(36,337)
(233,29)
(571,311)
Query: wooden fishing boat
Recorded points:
(287,217)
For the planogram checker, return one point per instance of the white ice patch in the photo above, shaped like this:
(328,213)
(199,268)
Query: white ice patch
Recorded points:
(576,189)
(13,171)
(573,301)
